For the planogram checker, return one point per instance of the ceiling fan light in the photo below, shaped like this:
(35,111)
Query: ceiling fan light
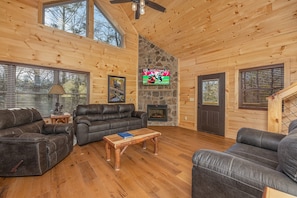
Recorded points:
(142,11)
(134,6)
(142,3)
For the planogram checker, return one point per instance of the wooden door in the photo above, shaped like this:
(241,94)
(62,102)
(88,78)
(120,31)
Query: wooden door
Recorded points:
(211,103)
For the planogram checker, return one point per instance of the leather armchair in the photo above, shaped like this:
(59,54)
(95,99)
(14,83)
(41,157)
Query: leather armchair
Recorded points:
(28,146)
(258,159)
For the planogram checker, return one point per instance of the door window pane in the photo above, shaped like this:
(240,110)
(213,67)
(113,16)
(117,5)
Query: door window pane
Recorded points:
(210,91)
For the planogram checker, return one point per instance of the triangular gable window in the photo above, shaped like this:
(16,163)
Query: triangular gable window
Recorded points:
(104,30)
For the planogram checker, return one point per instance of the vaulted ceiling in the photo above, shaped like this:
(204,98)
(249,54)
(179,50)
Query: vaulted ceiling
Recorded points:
(167,30)
(190,28)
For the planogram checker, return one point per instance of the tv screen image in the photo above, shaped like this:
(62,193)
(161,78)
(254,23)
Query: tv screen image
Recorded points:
(155,77)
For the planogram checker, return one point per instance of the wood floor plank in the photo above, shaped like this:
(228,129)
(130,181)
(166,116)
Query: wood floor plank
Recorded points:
(86,173)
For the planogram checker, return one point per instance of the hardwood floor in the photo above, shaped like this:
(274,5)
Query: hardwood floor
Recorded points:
(86,173)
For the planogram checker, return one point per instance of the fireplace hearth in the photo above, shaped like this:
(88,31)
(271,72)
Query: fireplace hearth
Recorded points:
(157,112)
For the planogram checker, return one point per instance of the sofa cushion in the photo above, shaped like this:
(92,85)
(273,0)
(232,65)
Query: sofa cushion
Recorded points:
(89,109)
(287,155)
(134,121)
(32,136)
(99,126)
(118,123)
(107,109)
(94,117)
(125,115)
(126,108)
(34,127)
(264,157)
(11,118)
(259,138)
(14,131)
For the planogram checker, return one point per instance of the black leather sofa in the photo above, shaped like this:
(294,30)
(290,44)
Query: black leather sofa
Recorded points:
(257,159)
(29,146)
(92,122)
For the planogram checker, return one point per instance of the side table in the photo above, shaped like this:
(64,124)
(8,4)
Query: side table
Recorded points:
(64,118)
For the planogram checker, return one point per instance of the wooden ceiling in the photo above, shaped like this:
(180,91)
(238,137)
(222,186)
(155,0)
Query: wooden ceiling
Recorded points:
(191,28)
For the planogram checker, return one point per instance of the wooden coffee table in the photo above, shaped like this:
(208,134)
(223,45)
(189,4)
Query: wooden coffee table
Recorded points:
(120,144)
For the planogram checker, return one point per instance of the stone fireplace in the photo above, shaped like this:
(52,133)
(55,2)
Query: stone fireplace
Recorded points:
(151,56)
(157,113)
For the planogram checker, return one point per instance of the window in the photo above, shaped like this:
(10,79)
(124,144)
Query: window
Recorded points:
(28,86)
(104,31)
(72,17)
(258,83)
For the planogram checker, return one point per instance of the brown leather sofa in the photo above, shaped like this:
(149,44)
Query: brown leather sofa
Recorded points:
(29,146)
(257,159)
(92,122)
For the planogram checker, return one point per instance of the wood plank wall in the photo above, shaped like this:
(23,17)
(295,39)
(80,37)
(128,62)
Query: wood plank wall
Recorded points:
(265,33)
(24,40)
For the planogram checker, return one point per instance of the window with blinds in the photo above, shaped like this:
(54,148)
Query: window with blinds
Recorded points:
(258,83)
(25,86)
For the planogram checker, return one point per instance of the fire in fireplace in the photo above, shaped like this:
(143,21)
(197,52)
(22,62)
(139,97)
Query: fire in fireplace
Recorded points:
(157,112)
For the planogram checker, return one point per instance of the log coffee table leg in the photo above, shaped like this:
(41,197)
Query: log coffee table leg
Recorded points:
(156,145)
(107,150)
(117,156)
(144,145)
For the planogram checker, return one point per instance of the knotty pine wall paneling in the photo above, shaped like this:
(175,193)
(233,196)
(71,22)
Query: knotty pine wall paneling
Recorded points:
(248,34)
(24,40)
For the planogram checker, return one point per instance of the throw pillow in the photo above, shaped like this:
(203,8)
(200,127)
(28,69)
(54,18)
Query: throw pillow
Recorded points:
(293,125)
(287,155)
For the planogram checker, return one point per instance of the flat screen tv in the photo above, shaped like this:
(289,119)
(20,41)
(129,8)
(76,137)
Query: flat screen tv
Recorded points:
(155,77)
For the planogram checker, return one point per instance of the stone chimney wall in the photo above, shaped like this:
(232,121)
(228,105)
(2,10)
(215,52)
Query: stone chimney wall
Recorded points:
(151,56)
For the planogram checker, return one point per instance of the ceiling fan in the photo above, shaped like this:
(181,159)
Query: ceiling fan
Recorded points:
(138,6)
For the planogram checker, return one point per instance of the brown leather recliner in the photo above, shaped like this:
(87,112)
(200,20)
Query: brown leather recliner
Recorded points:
(29,146)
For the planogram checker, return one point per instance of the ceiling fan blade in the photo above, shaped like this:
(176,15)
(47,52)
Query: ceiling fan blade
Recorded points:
(155,6)
(119,1)
(137,12)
